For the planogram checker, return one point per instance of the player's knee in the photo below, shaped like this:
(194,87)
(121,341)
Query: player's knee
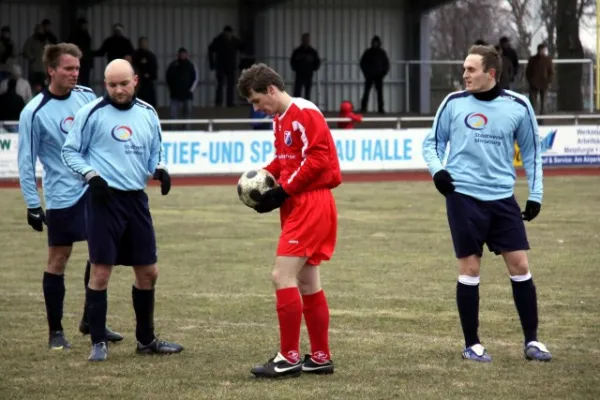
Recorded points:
(146,277)
(57,263)
(99,277)
(517,264)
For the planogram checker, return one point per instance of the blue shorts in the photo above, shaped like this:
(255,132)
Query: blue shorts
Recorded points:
(121,232)
(66,225)
(473,222)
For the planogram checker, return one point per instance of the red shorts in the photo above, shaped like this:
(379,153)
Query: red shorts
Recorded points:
(309,226)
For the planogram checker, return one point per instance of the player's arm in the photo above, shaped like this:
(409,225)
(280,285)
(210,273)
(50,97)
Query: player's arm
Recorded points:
(156,167)
(434,148)
(27,154)
(274,166)
(314,131)
(528,139)
(76,145)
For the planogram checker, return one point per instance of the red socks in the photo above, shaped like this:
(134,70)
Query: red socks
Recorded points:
(290,308)
(316,316)
(289,312)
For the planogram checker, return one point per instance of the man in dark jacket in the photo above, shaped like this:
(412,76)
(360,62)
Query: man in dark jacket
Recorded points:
(374,65)
(511,54)
(182,78)
(116,46)
(82,38)
(304,62)
(539,73)
(222,57)
(146,67)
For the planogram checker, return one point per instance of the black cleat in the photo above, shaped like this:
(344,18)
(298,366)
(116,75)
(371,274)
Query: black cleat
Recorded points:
(159,347)
(311,366)
(278,367)
(99,352)
(111,335)
(57,341)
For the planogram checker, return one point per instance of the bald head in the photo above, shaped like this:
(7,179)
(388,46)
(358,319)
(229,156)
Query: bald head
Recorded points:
(118,69)
(120,80)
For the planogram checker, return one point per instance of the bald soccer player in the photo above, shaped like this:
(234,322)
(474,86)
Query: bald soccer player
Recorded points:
(115,145)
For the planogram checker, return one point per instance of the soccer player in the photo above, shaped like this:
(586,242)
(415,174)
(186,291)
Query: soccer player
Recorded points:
(307,168)
(115,146)
(481,124)
(43,127)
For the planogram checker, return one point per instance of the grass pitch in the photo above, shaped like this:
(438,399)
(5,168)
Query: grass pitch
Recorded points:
(395,332)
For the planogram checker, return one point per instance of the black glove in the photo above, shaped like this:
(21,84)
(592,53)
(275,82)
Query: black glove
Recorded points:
(162,175)
(99,189)
(532,209)
(36,218)
(271,199)
(443,182)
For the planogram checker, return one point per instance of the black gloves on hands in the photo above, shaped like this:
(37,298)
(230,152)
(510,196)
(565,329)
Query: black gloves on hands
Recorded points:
(99,189)
(443,182)
(532,209)
(162,175)
(36,218)
(271,199)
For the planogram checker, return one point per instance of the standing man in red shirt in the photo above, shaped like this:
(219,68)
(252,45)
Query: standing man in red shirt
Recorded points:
(306,167)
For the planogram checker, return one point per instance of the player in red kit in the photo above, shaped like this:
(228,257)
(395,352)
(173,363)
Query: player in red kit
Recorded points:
(307,168)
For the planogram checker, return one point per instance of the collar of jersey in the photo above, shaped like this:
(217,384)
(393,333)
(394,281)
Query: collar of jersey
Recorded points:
(488,95)
(56,97)
(119,106)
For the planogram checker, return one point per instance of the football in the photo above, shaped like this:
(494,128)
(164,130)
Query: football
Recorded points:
(253,184)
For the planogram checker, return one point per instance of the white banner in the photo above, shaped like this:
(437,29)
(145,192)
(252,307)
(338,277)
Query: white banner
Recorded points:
(234,152)
(227,152)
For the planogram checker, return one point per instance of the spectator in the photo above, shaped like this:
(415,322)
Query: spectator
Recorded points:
(20,85)
(509,52)
(507,74)
(47,28)
(304,62)
(260,115)
(116,46)
(11,104)
(82,38)
(347,111)
(146,67)
(374,65)
(33,52)
(222,57)
(8,53)
(182,78)
(539,73)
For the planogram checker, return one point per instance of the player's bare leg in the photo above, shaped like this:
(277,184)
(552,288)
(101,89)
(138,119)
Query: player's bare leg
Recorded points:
(525,297)
(287,362)
(467,301)
(97,306)
(54,295)
(316,316)
(142,294)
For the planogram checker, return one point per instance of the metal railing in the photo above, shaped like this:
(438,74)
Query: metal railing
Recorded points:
(395,122)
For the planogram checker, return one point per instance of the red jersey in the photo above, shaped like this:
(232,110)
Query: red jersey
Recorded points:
(305,155)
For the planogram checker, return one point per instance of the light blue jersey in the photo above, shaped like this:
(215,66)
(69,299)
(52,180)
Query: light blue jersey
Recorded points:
(481,135)
(44,125)
(121,144)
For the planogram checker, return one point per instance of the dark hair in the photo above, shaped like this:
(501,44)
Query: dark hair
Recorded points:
(258,78)
(541,46)
(52,53)
(491,59)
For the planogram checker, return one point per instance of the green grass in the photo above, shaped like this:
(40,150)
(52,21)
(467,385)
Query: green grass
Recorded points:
(395,332)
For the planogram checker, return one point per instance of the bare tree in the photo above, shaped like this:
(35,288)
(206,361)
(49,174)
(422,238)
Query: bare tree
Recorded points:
(526,22)
(568,45)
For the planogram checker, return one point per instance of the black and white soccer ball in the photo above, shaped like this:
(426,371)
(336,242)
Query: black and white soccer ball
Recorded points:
(252,184)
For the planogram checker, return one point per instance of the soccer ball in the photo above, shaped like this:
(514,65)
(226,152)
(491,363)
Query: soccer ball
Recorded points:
(253,184)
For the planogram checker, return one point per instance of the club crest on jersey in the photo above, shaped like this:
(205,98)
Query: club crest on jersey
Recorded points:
(287,138)
(121,133)
(66,124)
(476,121)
